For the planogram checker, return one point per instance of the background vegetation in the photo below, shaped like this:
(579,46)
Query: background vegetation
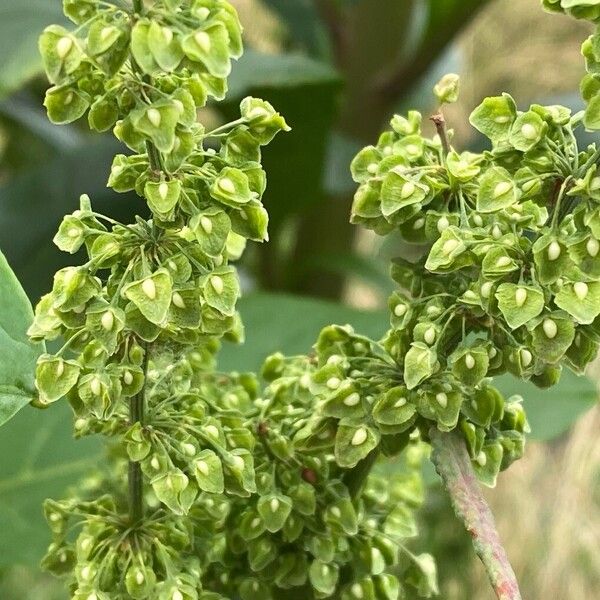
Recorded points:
(337,69)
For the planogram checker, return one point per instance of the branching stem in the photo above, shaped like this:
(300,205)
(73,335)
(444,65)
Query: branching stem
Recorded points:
(440,124)
(453,463)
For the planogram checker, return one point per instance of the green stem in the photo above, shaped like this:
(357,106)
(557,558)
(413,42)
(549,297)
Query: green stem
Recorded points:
(136,479)
(356,477)
(138,6)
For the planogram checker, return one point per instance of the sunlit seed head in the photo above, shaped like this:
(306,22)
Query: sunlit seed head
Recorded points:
(593,247)
(529,131)
(408,189)
(496,232)
(430,335)
(274,505)
(212,431)
(502,188)
(520,297)
(178,301)
(450,246)
(226,185)
(478,220)
(163,190)
(139,578)
(400,310)
(336,512)
(333,383)
(442,224)
(155,464)
(206,224)
(203,42)
(581,290)
(154,117)
(433,311)
(86,572)
(550,328)
(419,224)
(258,112)
(202,467)
(359,437)
(502,119)
(372,168)
(469,361)
(96,386)
(188,448)
(108,320)
(149,288)
(503,261)
(63,47)
(127,378)
(201,13)
(60,368)
(167,35)
(217,284)
(107,32)
(357,591)
(352,400)
(413,149)
(74,232)
(481,459)
(177,595)
(486,289)
(400,402)
(526,358)
(554,251)
(442,399)
(238,463)
(80,424)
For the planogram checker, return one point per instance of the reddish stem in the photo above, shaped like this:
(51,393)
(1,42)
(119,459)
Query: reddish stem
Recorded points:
(453,464)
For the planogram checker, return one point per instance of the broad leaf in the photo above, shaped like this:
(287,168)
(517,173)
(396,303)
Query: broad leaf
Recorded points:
(17,354)
(44,460)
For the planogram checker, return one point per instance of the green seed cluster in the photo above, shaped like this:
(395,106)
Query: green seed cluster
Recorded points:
(509,279)
(141,319)
(579,9)
(258,492)
(310,532)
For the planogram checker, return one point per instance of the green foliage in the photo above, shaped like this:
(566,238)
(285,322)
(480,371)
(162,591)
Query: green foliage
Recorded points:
(19,355)
(44,461)
(258,487)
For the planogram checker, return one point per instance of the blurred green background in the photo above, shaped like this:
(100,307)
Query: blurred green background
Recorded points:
(338,70)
